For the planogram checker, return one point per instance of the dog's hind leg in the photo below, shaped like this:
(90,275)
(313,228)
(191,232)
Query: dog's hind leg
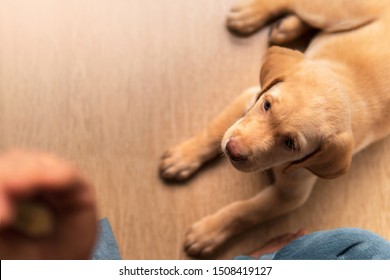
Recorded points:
(331,16)
(287,29)
(336,15)
(183,160)
(247,17)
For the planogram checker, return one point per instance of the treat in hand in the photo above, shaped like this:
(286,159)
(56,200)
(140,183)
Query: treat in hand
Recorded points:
(34,219)
(47,209)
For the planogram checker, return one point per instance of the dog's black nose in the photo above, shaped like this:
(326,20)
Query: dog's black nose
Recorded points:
(233,151)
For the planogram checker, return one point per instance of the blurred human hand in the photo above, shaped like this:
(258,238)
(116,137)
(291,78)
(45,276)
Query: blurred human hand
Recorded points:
(28,178)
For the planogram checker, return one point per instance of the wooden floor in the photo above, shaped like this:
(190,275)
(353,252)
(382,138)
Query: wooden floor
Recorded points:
(112,84)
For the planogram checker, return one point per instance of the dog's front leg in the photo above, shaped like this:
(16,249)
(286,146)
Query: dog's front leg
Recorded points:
(288,193)
(181,161)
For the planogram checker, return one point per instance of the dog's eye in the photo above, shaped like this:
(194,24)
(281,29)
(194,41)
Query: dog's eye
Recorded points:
(289,143)
(266,105)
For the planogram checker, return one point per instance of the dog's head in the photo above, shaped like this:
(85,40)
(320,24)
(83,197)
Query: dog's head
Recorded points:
(301,119)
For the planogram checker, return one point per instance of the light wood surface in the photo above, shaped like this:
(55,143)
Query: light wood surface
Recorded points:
(111,84)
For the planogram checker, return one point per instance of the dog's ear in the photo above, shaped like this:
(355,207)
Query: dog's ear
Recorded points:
(277,63)
(331,160)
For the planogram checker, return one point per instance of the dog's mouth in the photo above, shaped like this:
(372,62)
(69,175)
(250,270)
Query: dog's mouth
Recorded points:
(236,157)
(243,165)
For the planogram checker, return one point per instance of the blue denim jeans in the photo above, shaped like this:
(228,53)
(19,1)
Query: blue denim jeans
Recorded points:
(337,244)
(106,248)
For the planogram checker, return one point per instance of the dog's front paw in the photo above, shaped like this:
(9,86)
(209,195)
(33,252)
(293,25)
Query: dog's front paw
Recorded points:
(246,18)
(181,161)
(205,236)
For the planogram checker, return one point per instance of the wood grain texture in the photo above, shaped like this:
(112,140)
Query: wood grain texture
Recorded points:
(111,84)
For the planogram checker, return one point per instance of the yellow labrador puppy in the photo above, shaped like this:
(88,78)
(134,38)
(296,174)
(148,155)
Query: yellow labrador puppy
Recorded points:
(312,113)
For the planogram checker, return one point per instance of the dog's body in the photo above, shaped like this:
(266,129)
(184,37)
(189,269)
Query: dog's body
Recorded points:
(312,113)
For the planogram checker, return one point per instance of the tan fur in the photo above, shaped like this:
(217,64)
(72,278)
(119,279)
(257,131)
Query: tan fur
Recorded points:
(333,101)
